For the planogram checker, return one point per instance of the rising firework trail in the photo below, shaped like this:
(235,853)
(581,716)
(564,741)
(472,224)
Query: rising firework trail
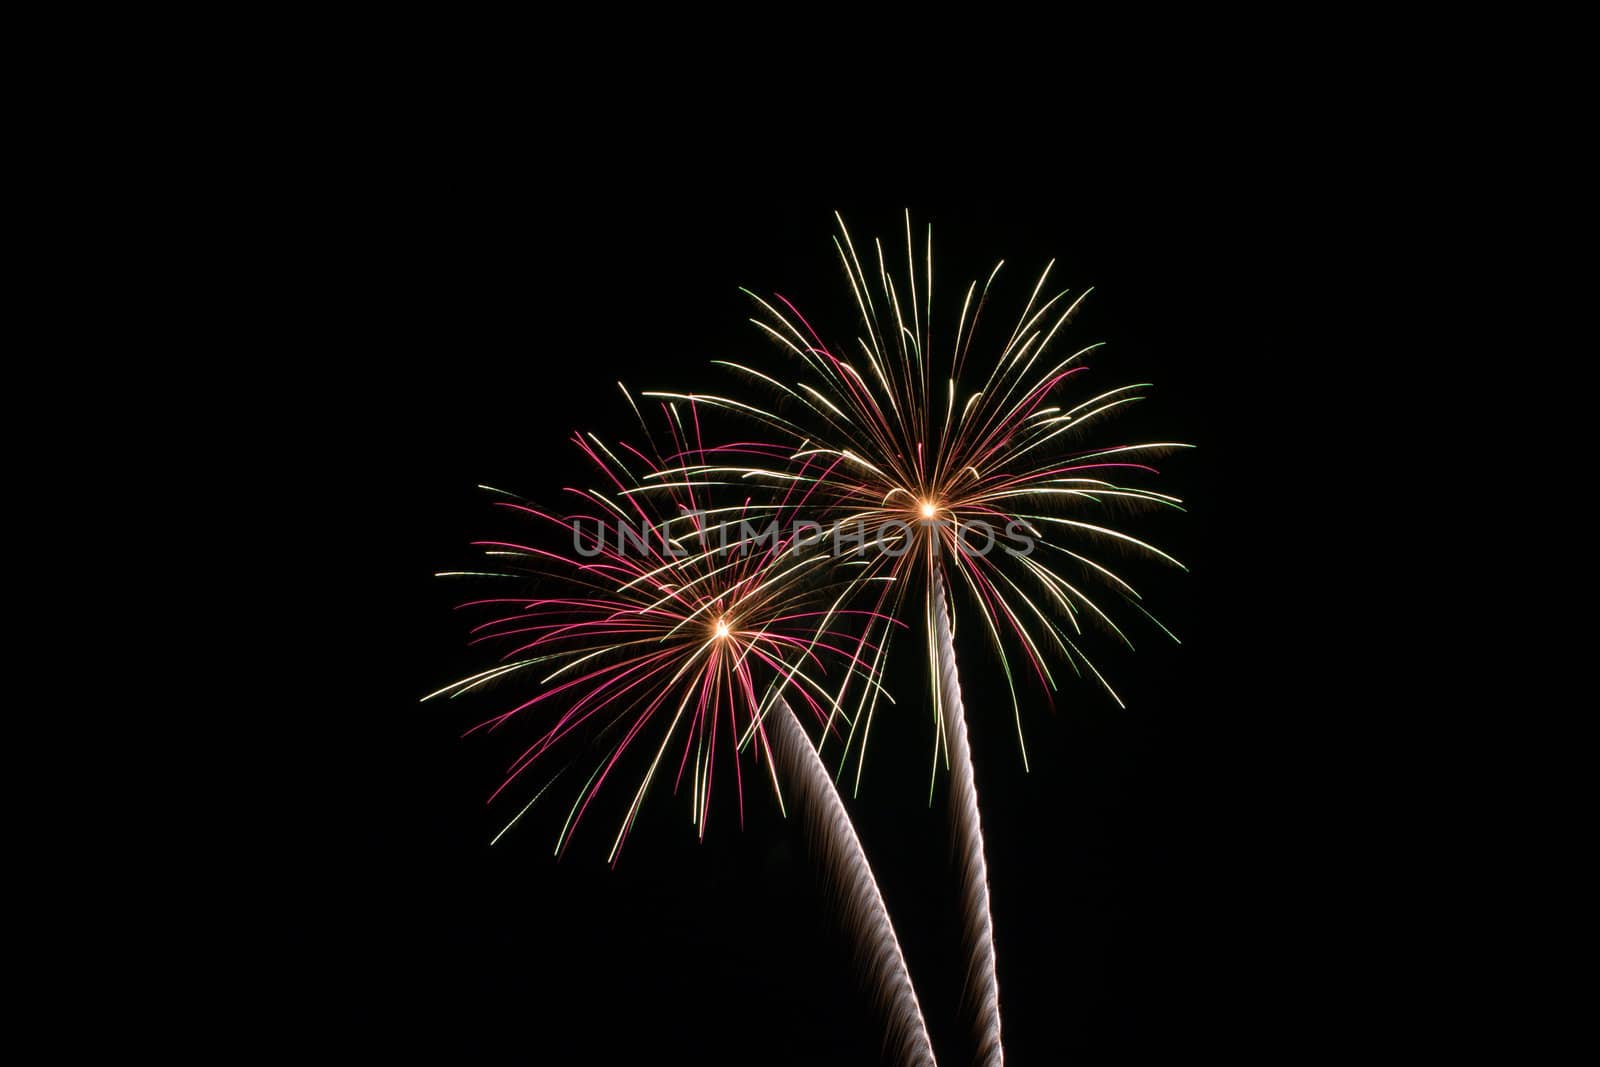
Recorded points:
(865,916)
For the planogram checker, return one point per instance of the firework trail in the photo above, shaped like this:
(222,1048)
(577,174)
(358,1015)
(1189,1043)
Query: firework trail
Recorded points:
(864,914)
(980,994)
(680,630)
(922,459)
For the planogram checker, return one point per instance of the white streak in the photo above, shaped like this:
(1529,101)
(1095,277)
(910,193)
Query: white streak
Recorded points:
(844,862)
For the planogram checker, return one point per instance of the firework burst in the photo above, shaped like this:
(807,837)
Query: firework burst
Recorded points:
(674,639)
(986,480)
(659,626)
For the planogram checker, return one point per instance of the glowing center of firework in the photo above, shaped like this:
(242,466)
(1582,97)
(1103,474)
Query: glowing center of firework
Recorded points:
(722,627)
(928,509)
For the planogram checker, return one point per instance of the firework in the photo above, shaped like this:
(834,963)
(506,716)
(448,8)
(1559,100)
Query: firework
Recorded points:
(677,647)
(986,482)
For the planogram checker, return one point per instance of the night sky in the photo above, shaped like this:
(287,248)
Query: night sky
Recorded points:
(1141,873)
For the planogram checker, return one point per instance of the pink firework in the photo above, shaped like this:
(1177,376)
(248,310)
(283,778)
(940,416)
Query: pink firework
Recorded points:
(677,639)
(665,625)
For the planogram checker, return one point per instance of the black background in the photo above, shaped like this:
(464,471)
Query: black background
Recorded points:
(450,326)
